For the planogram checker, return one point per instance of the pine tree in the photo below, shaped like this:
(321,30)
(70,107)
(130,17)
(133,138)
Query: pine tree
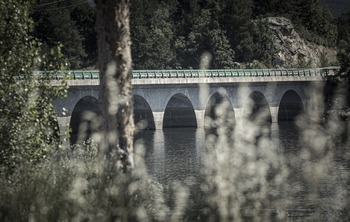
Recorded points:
(263,42)
(204,34)
(153,35)
(237,18)
(54,26)
(84,16)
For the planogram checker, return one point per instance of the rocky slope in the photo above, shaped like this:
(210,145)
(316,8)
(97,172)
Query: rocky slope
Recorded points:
(291,48)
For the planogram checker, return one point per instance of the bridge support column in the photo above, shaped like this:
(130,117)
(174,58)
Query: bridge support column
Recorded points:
(158,120)
(63,125)
(274,114)
(239,116)
(200,118)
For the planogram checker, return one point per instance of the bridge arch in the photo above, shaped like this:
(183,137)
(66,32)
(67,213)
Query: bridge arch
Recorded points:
(77,95)
(257,109)
(179,112)
(84,119)
(143,115)
(218,111)
(290,106)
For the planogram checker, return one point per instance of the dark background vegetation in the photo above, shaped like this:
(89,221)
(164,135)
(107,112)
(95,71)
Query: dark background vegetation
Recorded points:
(173,34)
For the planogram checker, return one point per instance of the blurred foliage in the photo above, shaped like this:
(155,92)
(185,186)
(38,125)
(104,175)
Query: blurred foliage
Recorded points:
(28,125)
(82,185)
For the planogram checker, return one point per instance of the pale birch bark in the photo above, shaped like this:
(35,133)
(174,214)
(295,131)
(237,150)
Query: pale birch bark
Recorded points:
(115,92)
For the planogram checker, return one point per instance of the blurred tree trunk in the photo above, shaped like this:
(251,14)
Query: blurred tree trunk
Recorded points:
(115,99)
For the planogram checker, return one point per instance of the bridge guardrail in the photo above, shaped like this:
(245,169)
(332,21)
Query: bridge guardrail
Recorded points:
(212,73)
(150,74)
(74,74)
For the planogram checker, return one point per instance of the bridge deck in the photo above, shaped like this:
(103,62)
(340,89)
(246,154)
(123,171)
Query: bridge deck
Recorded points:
(91,77)
(211,73)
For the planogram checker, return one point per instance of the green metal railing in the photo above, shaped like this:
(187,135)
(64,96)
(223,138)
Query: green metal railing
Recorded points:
(212,73)
(150,74)
(72,74)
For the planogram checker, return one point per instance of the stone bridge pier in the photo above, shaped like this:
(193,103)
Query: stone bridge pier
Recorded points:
(82,98)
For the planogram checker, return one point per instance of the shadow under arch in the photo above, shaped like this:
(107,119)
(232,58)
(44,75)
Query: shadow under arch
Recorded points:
(143,116)
(84,119)
(257,109)
(290,106)
(219,112)
(179,112)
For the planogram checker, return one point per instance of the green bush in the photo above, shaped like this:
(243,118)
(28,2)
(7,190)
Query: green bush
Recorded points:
(28,126)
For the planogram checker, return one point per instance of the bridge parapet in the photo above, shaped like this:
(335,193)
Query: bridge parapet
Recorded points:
(222,73)
(211,73)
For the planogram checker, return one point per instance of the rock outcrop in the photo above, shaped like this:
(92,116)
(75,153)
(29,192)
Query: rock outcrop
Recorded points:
(291,48)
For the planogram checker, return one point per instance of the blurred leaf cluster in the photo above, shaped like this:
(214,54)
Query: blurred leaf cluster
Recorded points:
(28,125)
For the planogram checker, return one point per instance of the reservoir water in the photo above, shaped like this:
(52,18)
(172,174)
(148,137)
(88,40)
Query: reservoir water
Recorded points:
(178,154)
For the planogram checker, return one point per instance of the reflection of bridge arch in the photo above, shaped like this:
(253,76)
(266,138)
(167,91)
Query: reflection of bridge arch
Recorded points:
(143,116)
(219,110)
(179,112)
(257,109)
(84,119)
(290,106)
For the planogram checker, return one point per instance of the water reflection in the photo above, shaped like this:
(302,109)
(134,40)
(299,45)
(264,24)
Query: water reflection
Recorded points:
(288,135)
(177,153)
(173,153)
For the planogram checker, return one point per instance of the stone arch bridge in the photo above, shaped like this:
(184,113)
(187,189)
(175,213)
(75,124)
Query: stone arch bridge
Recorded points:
(183,98)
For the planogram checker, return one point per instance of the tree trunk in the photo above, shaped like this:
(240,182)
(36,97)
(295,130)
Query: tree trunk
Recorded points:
(115,99)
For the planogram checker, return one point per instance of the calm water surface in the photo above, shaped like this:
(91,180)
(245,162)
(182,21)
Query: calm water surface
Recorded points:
(178,153)
(174,153)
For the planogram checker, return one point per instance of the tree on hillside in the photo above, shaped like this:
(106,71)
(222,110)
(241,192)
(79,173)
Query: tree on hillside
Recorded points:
(237,18)
(267,8)
(343,23)
(318,22)
(115,99)
(203,34)
(174,35)
(69,23)
(153,34)
(84,16)
(263,42)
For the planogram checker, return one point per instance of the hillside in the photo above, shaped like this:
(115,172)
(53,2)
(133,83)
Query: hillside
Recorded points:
(174,34)
(293,51)
(337,6)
